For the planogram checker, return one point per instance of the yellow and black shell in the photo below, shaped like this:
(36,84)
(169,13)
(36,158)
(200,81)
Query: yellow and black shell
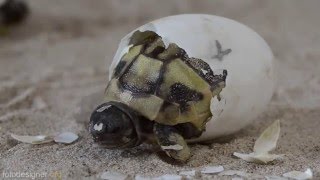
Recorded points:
(164,84)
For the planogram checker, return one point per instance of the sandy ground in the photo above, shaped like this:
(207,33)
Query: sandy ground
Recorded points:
(59,58)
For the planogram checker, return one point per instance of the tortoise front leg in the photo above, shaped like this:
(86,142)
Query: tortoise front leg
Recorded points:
(171,142)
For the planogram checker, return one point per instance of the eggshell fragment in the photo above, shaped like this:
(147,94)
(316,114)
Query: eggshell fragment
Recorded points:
(264,144)
(139,177)
(299,175)
(212,169)
(110,175)
(172,147)
(66,137)
(257,158)
(163,177)
(268,139)
(237,178)
(39,139)
(224,44)
(169,177)
(188,173)
(241,174)
(275,178)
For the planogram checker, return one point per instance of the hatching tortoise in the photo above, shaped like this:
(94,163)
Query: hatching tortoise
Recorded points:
(156,90)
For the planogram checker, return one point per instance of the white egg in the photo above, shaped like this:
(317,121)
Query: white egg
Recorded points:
(224,44)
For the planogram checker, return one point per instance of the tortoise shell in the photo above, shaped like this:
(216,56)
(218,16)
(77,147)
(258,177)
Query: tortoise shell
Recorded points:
(164,84)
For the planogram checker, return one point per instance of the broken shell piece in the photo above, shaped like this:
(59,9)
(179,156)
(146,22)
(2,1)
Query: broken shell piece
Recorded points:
(139,177)
(241,174)
(163,177)
(169,177)
(212,169)
(113,175)
(40,139)
(176,147)
(188,173)
(66,137)
(265,143)
(237,178)
(299,175)
(257,158)
(275,178)
(268,139)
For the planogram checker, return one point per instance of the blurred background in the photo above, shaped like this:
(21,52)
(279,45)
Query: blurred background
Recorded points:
(84,34)
(58,59)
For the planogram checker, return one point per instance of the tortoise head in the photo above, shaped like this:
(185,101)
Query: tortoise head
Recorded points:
(115,125)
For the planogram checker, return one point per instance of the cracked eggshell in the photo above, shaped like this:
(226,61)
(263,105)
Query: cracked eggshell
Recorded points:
(250,80)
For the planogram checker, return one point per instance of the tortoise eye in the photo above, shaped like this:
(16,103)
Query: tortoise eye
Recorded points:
(115,130)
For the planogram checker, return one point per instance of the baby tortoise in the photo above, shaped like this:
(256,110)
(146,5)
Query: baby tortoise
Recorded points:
(156,91)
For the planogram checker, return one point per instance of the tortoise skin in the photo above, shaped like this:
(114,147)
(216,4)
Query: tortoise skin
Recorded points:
(164,85)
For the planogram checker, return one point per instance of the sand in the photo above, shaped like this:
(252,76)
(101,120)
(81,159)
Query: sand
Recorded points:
(53,70)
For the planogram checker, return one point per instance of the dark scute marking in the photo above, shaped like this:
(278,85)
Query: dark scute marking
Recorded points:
(161,78)
(204,70)
(154,48)
(188,130)
(148,89)
(165,105)
(156,51)
(182,94)
(119,68)
(173,51)
(144,37)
